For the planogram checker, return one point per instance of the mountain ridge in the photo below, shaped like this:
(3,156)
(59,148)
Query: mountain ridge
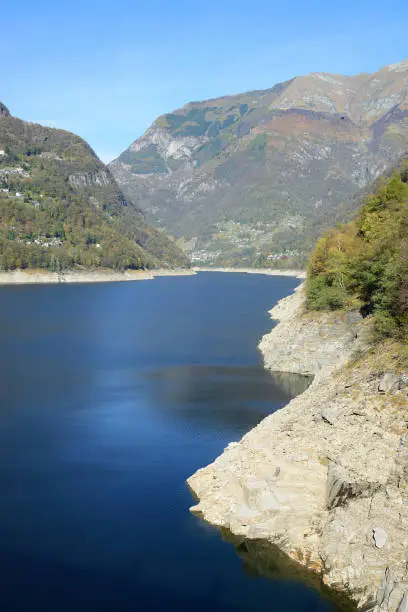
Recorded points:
(253,178)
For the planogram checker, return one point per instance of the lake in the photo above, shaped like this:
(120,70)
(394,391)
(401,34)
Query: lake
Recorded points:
(111,395)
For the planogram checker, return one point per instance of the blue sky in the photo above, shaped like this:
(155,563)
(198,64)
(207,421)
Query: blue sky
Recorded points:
(107,69)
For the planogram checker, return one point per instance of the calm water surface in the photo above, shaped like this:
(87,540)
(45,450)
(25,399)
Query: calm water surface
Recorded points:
(111,395)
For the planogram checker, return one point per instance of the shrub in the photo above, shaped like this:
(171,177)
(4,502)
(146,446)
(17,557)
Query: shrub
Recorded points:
(322,296)
(365,263)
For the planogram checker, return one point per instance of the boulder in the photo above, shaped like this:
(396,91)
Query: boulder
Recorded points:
(332,414)
(389,383)
(379,537)
(341,487)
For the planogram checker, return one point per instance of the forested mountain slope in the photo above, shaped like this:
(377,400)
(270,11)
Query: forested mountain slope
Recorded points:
(60,206)
(364,264)
(254,178)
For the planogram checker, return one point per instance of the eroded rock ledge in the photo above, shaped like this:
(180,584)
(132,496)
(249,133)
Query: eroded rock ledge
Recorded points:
(324,478)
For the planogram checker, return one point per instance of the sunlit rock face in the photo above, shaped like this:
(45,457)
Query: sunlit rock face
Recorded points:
(254,177)
(325,477)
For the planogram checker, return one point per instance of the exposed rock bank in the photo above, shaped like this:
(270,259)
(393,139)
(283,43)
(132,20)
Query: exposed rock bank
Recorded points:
(265,271)
(24,277)
(325,477)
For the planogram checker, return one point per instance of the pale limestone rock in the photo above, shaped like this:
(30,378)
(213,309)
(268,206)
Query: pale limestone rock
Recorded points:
(403,606)
(380,537)
(389,383)
(321,476)
(86,179)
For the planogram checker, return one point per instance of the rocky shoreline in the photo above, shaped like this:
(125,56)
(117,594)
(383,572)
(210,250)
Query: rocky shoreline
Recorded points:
(323,479)
(265,271)
(24,277)
(27,277)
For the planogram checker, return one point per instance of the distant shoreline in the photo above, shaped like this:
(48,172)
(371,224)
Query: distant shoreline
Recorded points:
(32,277)
(43,277)
(266,271)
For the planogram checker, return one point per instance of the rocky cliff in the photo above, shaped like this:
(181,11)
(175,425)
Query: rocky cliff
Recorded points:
(325,478)
(253,178)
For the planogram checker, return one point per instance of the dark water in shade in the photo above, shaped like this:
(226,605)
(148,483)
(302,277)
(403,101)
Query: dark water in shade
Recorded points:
(111,395)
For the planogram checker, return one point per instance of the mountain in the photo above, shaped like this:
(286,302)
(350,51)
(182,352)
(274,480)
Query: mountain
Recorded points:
(60,206)
(254,178)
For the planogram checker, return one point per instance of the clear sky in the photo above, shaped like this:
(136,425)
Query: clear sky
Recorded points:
(107,69)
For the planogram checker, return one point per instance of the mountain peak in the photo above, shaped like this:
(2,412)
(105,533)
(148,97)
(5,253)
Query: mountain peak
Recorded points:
(4,111)
(398,67)
(250,179)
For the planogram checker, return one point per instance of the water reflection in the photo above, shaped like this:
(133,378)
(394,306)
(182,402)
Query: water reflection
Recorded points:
(262,559)
(233,397)
(291,384)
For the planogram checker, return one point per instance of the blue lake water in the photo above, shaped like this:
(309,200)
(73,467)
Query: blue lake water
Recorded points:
(111,395)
